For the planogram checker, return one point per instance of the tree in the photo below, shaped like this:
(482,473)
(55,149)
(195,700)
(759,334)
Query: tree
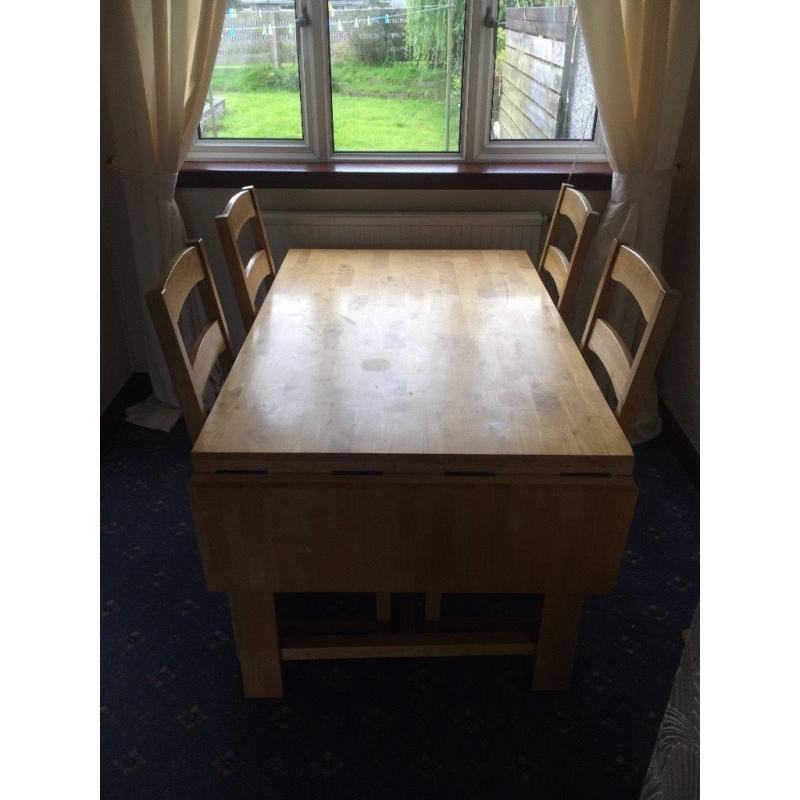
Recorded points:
(426,30)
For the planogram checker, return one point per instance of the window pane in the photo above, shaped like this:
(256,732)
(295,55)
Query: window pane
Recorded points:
(255,85)
(396,74)
(542,83)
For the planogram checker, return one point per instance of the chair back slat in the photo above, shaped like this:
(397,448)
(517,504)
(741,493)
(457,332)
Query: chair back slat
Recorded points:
(191,370)
(637,276)
(243,208)
(239,211)
(630,374)
(607,345)
(180,283)
(207,349)
(556,265)
(257,270)
(573,207)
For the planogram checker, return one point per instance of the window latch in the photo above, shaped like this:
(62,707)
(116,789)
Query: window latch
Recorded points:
(489,21)
(303,21)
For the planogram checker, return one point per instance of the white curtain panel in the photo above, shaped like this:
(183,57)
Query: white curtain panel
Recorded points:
(641,54)
(156,63)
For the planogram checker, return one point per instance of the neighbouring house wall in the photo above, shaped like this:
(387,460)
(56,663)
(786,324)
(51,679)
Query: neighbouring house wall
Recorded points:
(679,371)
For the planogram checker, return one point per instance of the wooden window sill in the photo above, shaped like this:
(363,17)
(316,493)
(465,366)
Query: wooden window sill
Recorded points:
(391,175)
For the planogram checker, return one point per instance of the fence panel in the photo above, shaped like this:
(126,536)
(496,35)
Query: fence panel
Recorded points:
(538,95)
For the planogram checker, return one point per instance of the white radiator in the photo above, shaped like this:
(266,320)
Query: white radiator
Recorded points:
(461,230)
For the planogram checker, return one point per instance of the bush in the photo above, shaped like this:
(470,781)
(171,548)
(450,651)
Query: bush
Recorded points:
(266,76)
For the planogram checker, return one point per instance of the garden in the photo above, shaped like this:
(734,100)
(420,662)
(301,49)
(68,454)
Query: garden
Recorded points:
(391,107)
(389,77)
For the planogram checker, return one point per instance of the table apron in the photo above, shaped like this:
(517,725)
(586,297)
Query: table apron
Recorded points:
(356,534)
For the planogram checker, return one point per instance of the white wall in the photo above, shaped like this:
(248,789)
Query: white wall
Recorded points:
(115,367)
(115,360)
(679,370)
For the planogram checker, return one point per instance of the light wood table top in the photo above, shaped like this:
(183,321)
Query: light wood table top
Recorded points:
(408,361)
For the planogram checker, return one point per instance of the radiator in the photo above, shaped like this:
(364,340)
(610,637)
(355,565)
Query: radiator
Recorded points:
(484,230)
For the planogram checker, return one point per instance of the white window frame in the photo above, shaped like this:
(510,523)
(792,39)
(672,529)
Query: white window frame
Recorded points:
(476,144)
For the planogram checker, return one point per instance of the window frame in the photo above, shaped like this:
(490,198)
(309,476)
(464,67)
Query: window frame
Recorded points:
(476,146)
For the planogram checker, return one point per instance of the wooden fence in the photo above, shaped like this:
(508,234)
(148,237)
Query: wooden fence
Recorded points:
(271,37)
(537,74)
(211,113)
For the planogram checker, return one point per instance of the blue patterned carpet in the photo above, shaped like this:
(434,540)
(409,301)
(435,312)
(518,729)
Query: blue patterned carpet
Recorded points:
(174,723)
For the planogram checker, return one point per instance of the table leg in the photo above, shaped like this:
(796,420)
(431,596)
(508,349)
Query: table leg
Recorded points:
(557,640)
(255,628)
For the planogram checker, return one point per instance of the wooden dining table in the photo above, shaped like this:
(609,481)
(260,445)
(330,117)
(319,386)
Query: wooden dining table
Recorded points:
(406,423)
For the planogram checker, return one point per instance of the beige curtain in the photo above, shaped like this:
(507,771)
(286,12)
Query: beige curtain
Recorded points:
(641,54)
(156,63)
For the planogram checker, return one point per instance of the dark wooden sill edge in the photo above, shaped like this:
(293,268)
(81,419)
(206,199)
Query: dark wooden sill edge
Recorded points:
(391,175)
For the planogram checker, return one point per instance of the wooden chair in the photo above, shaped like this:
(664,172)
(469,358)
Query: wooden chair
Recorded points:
(246,278)
(190,371)
(565,272)
(630,374)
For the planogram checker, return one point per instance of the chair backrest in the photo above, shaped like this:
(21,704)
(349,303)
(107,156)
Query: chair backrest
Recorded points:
(190,370)
(565,271)
(246,278)
(630,374)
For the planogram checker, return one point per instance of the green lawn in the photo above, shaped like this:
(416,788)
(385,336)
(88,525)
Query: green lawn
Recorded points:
(401,79)
(269,114)
(391,124)
(399,108)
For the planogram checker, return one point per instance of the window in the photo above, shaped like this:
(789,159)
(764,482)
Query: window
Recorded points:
(424,79)
(542,86)
(396,75)
(255,86)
